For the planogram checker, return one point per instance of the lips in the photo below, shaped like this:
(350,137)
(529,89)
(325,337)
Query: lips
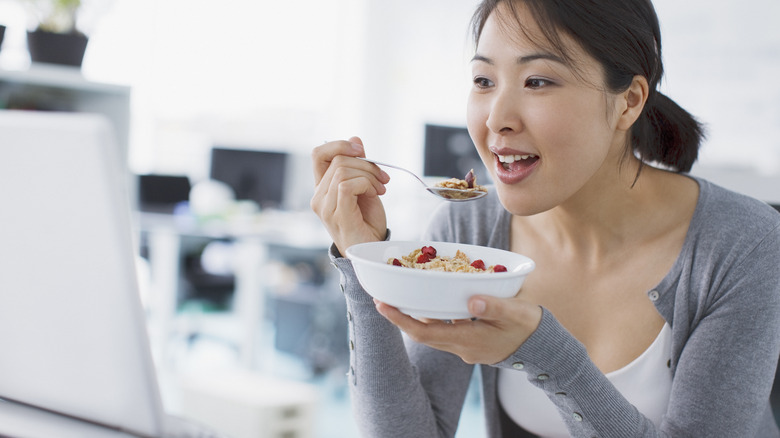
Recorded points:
(513,166)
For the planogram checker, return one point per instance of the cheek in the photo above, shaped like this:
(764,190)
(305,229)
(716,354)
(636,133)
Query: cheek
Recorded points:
(476,119)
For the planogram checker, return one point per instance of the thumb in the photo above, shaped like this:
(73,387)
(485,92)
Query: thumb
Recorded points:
(356,141)
(484,306)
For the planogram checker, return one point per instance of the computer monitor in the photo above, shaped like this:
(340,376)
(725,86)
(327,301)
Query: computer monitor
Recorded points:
(449,152)
(161,193)
(255,175)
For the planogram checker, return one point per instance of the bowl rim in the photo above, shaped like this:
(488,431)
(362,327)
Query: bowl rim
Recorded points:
(526,266)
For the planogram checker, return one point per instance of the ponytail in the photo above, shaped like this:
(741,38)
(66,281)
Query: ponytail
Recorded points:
(667,134)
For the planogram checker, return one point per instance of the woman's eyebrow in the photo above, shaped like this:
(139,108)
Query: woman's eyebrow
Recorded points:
(522,59)
(481,58)
(533,57)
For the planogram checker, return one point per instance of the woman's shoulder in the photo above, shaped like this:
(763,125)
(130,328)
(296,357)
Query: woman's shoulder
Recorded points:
(723,208)
(731,225)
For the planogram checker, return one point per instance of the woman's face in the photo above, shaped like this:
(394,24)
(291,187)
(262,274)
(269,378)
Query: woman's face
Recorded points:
(544,130)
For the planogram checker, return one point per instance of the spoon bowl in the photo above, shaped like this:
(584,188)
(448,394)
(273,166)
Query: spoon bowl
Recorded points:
(446,193)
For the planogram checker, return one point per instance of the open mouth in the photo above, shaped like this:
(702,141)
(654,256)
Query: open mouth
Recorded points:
(514,168)
(513,163)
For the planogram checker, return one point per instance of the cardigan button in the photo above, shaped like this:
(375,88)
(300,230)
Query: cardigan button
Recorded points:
(653,295)
(518,365)
(577,416)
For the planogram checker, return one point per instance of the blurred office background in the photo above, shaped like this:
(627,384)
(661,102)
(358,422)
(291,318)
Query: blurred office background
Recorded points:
(206,90)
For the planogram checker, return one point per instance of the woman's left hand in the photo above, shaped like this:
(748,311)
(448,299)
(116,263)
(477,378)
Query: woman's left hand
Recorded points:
(500,327)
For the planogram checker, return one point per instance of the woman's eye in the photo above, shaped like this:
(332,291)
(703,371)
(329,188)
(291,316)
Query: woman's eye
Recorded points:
(536,83)
(482,82)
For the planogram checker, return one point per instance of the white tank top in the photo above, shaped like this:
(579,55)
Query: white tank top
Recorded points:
(646,383)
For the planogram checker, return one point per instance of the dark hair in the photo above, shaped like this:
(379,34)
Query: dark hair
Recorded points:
(625,38)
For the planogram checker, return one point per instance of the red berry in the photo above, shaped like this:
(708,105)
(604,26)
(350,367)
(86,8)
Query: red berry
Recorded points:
(397,262)
(479,264)
(424,258)
(499,268)
(429,250)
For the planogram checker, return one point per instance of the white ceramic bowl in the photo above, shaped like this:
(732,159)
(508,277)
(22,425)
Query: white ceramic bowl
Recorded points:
(435,294)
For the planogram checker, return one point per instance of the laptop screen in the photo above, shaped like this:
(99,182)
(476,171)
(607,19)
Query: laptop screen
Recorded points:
(72,329)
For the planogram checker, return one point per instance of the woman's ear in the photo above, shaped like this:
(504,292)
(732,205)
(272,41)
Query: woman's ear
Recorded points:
(632,102)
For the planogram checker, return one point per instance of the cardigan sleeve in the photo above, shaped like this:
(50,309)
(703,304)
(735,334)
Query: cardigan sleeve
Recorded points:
(398,387)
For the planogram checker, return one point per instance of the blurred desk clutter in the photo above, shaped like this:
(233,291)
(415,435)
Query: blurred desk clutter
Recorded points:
(253,263)
(249,281)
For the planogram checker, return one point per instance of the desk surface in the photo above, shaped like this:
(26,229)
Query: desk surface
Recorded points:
(294,229)
(18,420)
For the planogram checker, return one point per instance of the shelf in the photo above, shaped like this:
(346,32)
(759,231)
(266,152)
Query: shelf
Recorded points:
(48,87)
(54,76)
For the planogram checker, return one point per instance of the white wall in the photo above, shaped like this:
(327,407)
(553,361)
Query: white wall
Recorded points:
(289,75)
(723,63)
(416,71)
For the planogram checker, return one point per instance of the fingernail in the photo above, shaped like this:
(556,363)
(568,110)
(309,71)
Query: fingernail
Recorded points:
(357,147)
(478,306)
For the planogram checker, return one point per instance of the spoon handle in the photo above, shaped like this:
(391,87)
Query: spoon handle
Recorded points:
(395,167)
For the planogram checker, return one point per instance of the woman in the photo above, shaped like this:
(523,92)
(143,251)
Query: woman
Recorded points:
(654,309)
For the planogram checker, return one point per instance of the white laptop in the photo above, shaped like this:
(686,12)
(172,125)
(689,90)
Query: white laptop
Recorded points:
(73,338)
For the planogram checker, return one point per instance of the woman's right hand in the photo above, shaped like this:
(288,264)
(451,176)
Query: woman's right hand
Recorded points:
(346,195)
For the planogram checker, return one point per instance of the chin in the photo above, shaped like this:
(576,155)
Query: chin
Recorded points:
(521,203)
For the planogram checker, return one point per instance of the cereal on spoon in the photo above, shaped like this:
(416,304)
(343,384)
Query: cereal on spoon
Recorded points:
(469,184)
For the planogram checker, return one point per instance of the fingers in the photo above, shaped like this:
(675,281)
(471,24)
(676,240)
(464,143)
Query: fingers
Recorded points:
(500,327)
(337,197)
(357,175)
(332,162)
(346,193)
(323,155)
(424,331)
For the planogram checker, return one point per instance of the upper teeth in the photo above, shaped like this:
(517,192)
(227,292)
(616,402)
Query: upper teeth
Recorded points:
(513,158)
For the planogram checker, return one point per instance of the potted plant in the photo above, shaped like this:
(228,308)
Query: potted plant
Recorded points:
(56,39)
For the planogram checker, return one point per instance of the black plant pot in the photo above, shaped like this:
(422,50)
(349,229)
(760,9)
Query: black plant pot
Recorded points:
(57,48)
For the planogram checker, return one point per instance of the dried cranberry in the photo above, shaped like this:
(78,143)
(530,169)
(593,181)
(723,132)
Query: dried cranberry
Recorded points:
(428,250)
(479,264)
(499,268)
(397,262)
(424,258)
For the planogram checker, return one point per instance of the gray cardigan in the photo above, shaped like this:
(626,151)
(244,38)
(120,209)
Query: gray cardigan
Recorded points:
(721,298)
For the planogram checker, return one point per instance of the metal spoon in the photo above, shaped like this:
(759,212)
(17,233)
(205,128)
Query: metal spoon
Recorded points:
(449,194)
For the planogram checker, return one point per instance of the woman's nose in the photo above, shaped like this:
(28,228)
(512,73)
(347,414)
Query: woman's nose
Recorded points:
(504,115)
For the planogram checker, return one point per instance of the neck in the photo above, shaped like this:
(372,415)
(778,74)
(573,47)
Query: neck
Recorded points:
(606,218)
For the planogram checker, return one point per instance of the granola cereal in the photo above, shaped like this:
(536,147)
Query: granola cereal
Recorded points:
(469,184)
(426,258)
